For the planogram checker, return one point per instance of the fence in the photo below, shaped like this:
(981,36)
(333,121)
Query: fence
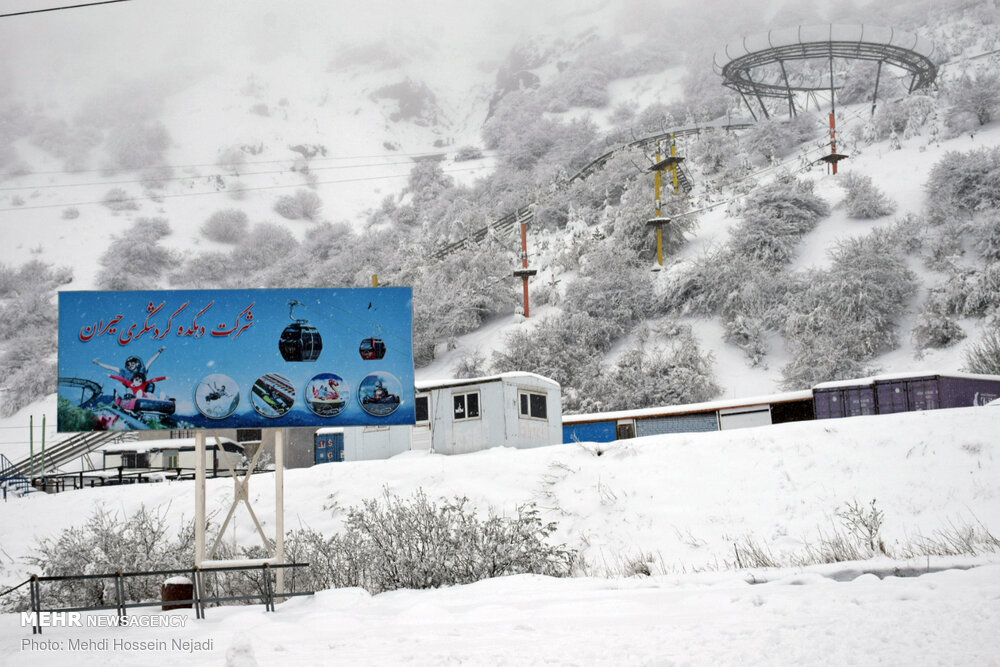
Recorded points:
(198,601)
(68,481)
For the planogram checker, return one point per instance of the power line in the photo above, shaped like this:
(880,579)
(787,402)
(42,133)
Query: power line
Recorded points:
(56,9)
(219,192)
(237,174)
(485,154)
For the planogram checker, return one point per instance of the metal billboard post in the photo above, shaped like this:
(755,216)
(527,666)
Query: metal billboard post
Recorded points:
(199,498)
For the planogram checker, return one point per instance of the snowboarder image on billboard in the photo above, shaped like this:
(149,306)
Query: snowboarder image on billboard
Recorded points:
(217,396)
(300,341)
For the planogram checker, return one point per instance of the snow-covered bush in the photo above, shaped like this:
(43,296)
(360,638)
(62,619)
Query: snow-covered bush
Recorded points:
(468,152)
(28,325)
(964,182)
(304,204)
(775,218)
(392,543)
(117,199)
(137,145)
(674,373)
(971,292)
(106,543)
(986,235)
(864,199)
(841,317)
(415,101)
(578,87)
(225,226)
(974,101)
(983,355)
(134,259)
(612,289)
(770,139)
(935,329)
(567,349)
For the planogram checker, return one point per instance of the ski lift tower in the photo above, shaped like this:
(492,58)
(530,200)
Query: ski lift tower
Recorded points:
(524,272)
(671,163)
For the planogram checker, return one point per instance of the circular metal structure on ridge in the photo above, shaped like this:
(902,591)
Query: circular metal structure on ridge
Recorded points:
(746,60)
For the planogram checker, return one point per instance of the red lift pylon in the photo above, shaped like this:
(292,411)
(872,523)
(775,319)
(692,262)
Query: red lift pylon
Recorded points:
(524,272)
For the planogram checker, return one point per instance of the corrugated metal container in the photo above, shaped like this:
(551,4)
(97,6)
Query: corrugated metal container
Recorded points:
(590,432)
(329,446)
(961,391)
(691,423)
(844,399)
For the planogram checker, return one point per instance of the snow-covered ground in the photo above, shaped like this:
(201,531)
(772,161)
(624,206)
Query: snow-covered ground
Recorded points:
(678,503)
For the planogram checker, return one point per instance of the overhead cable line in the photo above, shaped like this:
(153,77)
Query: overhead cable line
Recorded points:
(236,174)
(219,192)
(486,154)
(56,9)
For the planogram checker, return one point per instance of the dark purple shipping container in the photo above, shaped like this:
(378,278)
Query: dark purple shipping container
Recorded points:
(891,394)
(844,400)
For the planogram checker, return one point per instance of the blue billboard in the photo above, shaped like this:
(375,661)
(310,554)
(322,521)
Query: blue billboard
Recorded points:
(206,359)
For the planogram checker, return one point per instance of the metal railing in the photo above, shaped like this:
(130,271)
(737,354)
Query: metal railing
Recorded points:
(11,479)
(119,475)
(198,600)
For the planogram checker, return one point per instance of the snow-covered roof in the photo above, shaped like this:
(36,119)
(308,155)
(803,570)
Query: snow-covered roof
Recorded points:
(707,406)
(428,385)
(888,377)
(169,443)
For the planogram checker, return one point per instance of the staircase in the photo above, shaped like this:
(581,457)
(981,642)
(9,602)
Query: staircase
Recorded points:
(70,449)
(12,481)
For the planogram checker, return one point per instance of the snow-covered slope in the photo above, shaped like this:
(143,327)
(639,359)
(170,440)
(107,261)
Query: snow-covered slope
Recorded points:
(677,504)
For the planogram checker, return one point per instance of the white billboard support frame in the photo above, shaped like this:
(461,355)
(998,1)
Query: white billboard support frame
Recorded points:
(241,493)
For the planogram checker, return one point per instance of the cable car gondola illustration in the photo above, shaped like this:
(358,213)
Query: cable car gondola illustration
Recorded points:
(300,341)
(372,349)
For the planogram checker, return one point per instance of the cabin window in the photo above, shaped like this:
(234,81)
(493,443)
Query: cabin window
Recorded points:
(533,406)
(135,459)
(421,407)
(466,406)
(173,460)
(377,427)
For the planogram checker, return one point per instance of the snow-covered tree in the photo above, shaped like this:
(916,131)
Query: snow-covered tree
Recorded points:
(864,199)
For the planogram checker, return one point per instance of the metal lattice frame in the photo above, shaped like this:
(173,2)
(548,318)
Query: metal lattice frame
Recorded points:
(745,62)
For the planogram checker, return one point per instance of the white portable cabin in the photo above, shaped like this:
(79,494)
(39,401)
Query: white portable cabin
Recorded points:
(171,453)
(457,417)
(514,409)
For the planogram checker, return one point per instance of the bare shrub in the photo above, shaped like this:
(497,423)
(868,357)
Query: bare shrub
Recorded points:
(864,523)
